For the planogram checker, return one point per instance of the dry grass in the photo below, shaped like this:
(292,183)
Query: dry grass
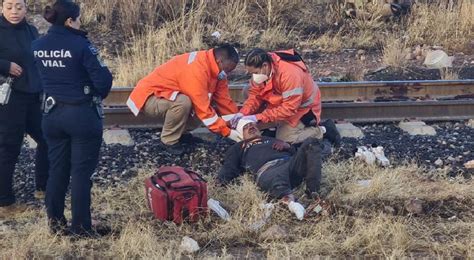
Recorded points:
(171,27)
(453,28)
(359,226)
(328,42)
(394,52)
(155,46)
(449,74)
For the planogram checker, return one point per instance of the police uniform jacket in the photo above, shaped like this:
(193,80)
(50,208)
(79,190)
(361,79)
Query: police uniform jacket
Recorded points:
(68,62)
(15,46)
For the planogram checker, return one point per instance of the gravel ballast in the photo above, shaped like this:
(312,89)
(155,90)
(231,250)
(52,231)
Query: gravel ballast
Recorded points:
(447,151)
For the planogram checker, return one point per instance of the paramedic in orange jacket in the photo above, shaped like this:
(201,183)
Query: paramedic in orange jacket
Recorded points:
(181,93)
(282,94)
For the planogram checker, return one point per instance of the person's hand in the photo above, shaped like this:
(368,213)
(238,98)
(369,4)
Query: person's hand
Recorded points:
(251,118)
(297,209)
(235,135)
(280,146)
(235,120)
(15,69)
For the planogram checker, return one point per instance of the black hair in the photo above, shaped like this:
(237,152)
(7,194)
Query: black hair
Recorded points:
(227,52)
(24,1)
(256,57)
(61,11)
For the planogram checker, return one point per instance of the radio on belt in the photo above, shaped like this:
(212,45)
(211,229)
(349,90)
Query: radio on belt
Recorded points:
(5,91)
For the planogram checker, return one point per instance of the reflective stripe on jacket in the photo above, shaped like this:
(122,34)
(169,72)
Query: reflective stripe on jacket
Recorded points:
(288,95)
(193,74)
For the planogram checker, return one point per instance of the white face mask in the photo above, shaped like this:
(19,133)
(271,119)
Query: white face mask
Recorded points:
(259,78)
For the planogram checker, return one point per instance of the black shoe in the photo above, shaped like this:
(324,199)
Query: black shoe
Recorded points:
(174,149)
(332,134)
(188,138)
(59,227)
(95,233)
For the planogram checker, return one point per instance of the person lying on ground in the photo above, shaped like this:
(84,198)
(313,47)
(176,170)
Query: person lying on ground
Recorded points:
(276,166)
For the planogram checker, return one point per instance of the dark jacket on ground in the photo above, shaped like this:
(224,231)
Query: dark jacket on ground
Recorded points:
(15,46)
(250,156)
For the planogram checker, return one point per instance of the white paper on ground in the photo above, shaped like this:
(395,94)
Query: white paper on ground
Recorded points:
(215,206)
(297,209)
(189,245)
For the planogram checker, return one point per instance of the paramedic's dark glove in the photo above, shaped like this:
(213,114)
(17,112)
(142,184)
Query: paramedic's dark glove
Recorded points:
(332,134)
(281,146)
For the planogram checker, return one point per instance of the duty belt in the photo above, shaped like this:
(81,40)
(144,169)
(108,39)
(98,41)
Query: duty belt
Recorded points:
(268,165)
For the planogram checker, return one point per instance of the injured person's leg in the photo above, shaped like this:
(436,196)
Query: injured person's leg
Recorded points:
(306,165)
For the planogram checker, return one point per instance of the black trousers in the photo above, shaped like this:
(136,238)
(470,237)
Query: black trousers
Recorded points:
(21,115)
(74,137)
(305,165)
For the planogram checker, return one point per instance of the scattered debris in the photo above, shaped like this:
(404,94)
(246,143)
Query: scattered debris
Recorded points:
(414,206)
(438,59)
(365,155)
(189,245)
(438,162)
(364,183)
(216,34)
(379,153)
(319,207)
(297,209)
(215,206)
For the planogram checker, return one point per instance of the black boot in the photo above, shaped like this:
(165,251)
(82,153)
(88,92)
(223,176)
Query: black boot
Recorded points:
(332,134)
(174,149)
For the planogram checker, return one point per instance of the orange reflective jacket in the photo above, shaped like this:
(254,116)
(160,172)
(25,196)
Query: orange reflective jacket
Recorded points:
(288,95)
(194,75)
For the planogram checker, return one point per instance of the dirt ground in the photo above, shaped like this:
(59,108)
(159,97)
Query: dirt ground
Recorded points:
(391,213)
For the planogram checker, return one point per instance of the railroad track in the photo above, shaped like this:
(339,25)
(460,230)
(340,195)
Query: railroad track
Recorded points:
(349,101)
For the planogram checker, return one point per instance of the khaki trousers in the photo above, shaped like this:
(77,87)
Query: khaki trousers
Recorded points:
(293,135)
(175,116)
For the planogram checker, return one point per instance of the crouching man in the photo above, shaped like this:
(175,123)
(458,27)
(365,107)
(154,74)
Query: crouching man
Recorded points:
(275,165)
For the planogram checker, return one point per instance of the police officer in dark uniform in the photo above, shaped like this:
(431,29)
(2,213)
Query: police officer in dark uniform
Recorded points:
(20,112)
(75,80)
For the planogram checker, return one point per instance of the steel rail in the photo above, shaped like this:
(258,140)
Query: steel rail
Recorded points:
(350,91)
(386,111)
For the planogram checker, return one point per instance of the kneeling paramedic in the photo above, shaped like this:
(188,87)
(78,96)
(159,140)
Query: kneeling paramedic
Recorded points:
(282,94)
(276,166)
(181,93)
(75,81)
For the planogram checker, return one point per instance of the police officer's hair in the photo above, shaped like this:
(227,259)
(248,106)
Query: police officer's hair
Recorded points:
(61,11)
(256,57)
(227,52)
(1,2)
